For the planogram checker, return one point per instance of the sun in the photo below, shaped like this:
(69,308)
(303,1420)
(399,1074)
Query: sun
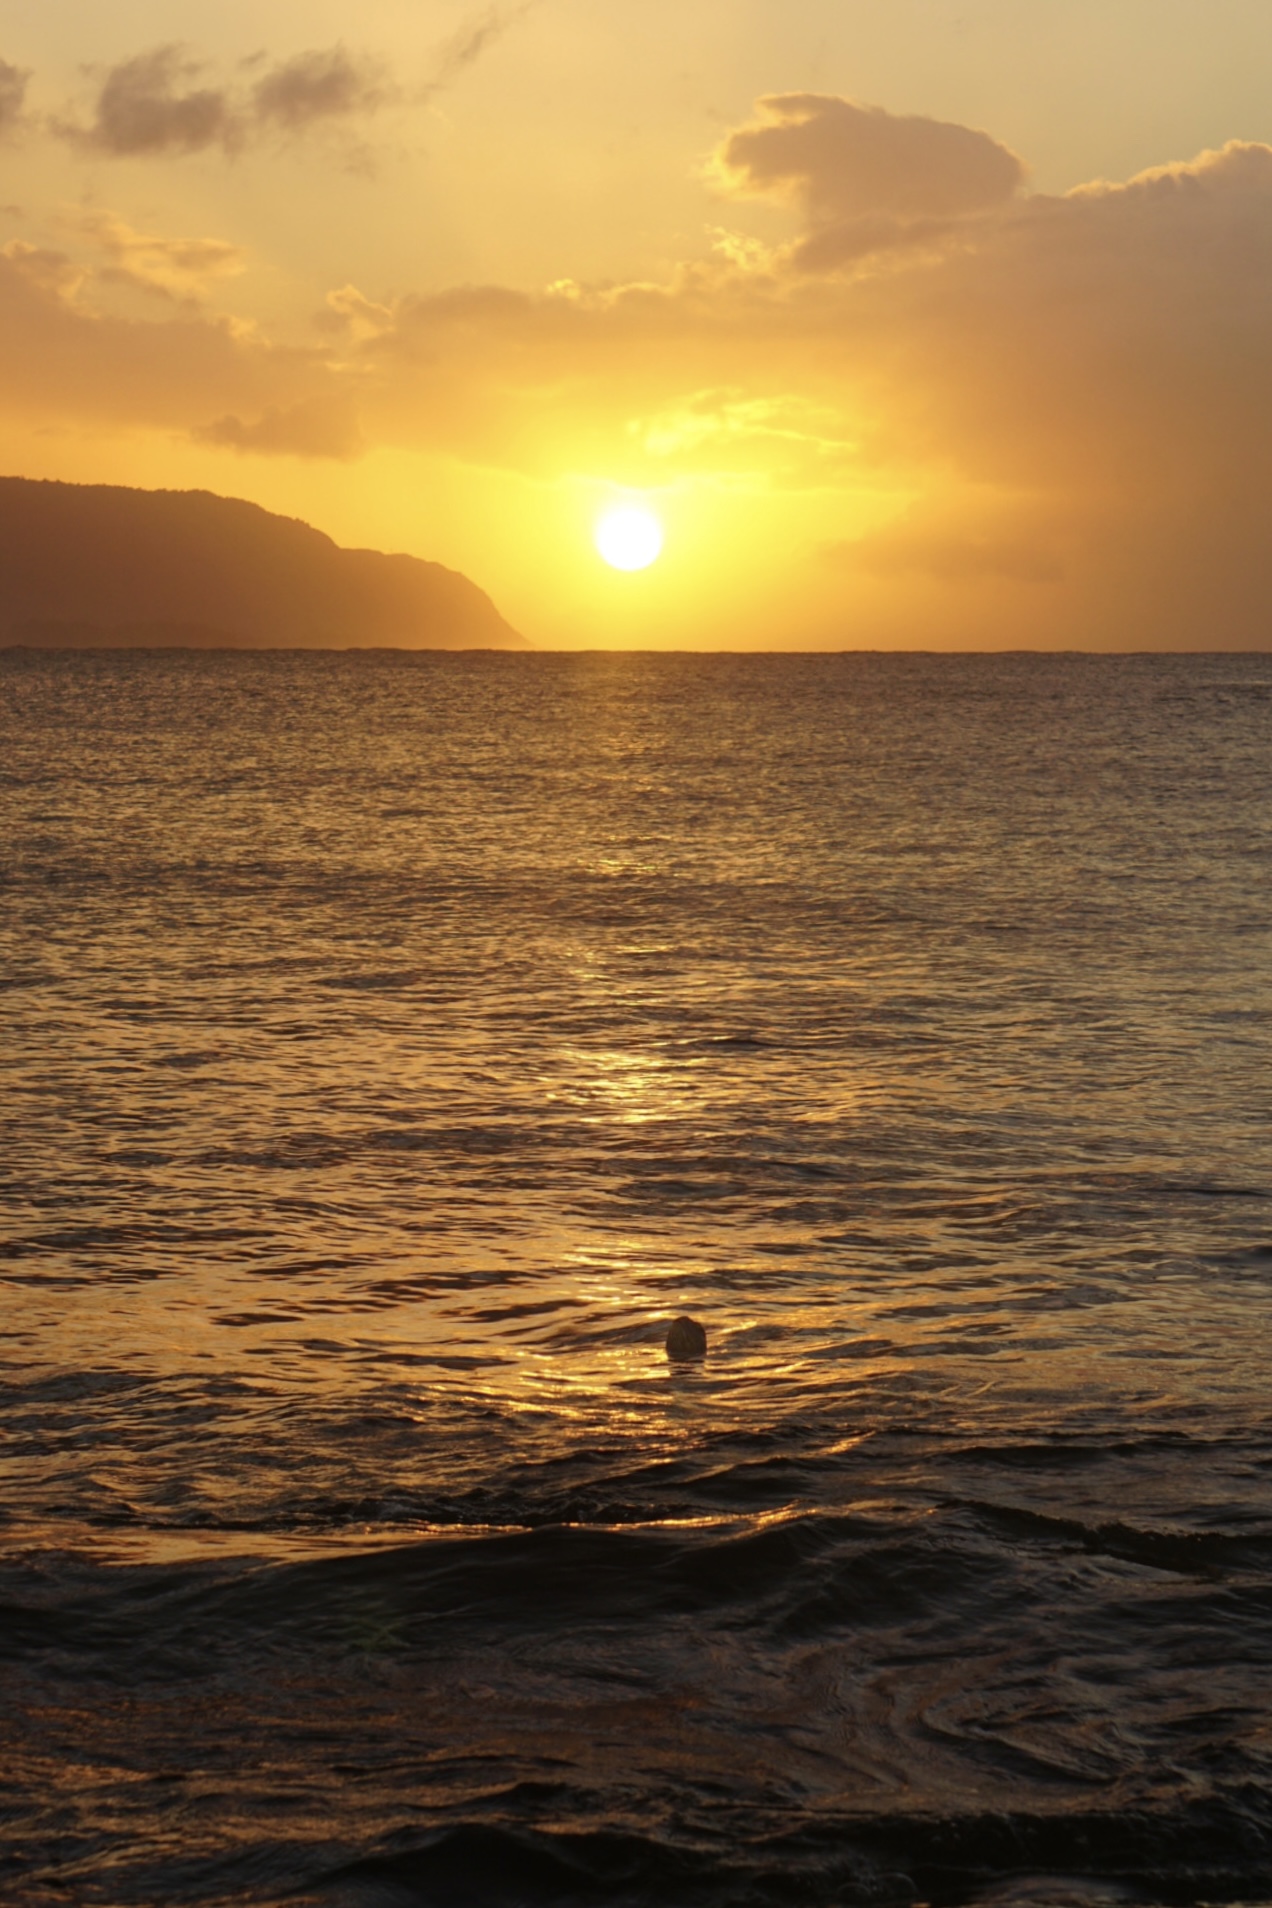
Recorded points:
(629,538)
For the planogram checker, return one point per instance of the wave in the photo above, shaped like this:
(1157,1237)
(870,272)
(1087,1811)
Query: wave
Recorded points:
(881,1706)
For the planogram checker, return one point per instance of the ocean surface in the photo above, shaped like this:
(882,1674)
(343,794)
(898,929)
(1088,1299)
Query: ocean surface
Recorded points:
(392,1045)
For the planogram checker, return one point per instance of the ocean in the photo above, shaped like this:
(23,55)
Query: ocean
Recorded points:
(394,1044)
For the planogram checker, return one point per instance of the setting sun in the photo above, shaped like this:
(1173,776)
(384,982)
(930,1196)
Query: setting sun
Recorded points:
(629,538)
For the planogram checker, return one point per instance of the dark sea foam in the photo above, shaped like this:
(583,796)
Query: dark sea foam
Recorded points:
(392,1045)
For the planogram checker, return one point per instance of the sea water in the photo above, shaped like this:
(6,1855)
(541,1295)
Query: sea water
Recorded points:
(392,1045)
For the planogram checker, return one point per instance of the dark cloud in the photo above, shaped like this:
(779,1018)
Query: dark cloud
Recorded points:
(318,85)
(160,102)
(13,85)
(147,105)
(865,179)
(152,104)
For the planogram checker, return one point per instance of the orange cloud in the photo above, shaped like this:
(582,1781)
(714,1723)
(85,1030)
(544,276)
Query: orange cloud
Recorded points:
(316,427)
(72,366)
(178,269)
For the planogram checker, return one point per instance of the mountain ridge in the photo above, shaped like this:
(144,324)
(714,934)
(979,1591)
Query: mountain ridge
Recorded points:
(109,566)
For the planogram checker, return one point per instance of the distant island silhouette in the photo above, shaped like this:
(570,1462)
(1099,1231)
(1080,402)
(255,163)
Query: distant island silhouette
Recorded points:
(96,566)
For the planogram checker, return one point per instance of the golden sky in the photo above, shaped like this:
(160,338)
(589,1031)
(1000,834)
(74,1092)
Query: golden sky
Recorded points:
(922,323)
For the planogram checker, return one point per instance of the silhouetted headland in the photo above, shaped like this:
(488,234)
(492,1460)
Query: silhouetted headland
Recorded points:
(92,566)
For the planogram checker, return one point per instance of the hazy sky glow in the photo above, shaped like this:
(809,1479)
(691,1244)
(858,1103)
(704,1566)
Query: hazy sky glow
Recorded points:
(937,322)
